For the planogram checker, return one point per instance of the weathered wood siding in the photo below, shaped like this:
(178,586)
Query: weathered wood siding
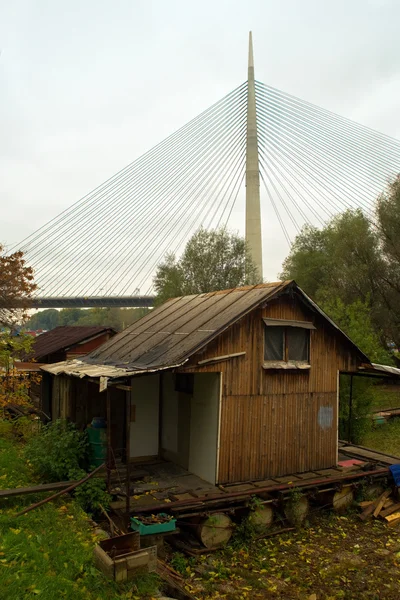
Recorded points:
(277,422)
(79,400)
(82,349)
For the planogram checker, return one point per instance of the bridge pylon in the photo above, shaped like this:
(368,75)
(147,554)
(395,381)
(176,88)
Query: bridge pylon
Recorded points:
(253,210)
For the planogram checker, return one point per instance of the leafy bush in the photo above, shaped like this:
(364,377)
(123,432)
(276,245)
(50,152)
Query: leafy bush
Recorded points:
(26,428)
(179,562)
(90,495)
(59,453)
(244,533)
(59,449)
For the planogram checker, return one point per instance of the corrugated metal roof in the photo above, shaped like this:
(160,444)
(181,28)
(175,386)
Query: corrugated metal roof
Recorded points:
(78,368)
(63,337)
(385,369)
(168,335)
(171,333)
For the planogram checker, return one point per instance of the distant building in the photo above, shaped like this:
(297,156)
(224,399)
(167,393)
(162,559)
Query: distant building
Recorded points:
(65,342)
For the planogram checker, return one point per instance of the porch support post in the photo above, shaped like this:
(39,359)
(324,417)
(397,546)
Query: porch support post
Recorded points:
(160,412)
(350,408)
(128,451)
(108,401)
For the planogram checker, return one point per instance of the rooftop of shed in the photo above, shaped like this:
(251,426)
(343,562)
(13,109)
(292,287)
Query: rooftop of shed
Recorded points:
(63,337)
(171,333)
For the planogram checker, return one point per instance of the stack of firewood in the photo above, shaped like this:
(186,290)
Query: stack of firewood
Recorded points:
(386,507)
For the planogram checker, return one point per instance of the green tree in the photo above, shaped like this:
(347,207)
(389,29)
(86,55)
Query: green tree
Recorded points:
(351,268)
(44,319)
(343,257)
(118,318)
(355,320)
(388,226)
(212,260)
(69,316)
(350,259)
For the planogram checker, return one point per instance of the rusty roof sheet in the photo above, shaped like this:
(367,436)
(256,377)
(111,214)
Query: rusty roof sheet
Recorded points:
(168,335)
(77,368)
(63,337)
(388,370)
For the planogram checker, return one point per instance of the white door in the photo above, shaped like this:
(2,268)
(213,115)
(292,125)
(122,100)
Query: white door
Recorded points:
(144,416)
(204,426)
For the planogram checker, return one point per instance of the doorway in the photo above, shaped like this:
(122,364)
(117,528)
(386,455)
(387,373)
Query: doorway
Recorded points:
(175,416)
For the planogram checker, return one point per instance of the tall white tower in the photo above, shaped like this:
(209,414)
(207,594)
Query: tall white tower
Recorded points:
(253,211)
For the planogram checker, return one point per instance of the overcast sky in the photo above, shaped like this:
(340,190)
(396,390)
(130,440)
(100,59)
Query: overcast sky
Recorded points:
(86,86)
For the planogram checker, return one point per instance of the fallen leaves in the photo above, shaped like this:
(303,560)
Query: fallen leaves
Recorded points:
(334,560)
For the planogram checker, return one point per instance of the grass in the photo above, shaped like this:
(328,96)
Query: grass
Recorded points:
(385,396)
(384,437)
(48,553)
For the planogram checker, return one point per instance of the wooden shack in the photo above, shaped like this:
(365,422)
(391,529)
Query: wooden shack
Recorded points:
(68,341)
(233,386)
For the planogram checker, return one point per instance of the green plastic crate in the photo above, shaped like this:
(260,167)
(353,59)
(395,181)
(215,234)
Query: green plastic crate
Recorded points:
(155,528)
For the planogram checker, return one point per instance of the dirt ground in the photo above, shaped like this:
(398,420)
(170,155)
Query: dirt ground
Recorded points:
(334,557)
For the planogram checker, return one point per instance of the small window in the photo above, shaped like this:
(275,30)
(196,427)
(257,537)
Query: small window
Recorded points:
(287,344)
(274,343)
(298,343)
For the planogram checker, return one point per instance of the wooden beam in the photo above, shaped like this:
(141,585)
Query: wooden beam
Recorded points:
(128,450)
(36,489)
(65,491)
(388,511)
(160,412)
(381,502)
(126,388)
(108,401)
(220,358)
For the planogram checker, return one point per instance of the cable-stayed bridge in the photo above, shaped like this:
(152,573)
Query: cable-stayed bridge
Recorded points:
(257,144)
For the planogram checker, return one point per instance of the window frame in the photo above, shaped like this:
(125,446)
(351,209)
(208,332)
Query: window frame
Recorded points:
(285,325)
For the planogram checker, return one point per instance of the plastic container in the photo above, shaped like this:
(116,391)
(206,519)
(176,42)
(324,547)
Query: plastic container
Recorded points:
(155,528)
(98,423)
(97,445)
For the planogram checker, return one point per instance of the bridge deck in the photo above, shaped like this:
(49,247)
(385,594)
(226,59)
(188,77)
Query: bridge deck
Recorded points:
(93,302)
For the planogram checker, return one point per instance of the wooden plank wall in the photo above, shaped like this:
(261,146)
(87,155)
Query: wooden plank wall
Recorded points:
(79,400)
(277,422)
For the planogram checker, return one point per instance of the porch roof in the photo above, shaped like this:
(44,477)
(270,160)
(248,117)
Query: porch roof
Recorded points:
(167,336)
